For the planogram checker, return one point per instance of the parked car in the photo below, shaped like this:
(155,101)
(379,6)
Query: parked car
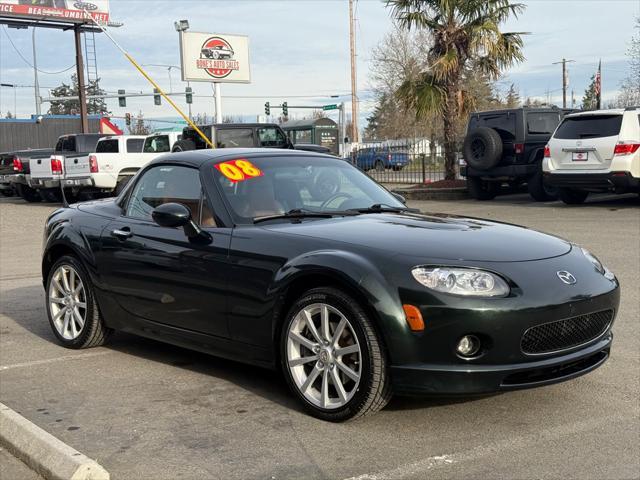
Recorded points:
(596,151)
(46,173)
(115,160)
(219,52)
(238,135)
(353,295)
(15,173)
(508,146)
(381,158)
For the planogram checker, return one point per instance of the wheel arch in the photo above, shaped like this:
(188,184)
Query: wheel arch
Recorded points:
(368,287)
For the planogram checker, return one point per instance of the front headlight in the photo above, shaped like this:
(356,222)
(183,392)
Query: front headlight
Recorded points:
(608,274)
(461,281)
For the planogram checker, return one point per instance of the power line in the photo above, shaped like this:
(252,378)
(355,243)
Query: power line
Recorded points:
(27,61)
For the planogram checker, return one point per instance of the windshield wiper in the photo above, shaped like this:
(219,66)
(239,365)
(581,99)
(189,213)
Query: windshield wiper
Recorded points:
(294,213)
(383,208)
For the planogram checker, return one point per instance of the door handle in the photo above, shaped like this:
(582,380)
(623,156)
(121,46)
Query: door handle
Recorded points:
(122,234)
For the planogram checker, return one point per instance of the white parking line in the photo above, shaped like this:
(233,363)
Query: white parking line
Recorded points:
(56,359)
(419,468)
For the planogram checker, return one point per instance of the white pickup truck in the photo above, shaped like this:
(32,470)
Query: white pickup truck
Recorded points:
(115,160)
(46,173)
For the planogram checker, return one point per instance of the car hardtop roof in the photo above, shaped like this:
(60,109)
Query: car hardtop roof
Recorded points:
(607,111)
(522,109)
(236,125)
(198,157)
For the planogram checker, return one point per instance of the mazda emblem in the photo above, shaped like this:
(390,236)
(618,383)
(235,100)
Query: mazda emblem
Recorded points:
(566,277)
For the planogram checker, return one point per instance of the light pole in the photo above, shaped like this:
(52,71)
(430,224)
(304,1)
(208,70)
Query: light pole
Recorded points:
(182,26)
(36,85)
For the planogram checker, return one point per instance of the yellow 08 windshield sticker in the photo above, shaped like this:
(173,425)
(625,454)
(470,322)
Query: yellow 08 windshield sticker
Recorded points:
(239,170)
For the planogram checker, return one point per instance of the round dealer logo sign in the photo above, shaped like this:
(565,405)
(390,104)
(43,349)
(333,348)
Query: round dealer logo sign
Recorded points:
(216,58)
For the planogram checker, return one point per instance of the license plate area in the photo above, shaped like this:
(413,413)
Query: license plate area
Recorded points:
(579,156)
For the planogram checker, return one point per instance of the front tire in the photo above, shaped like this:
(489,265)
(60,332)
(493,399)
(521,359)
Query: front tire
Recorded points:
(71,306)
(183,146)
(332,357)
(572,197)
(28,194)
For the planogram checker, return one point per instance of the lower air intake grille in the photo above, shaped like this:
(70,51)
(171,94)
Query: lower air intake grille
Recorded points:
(568,333)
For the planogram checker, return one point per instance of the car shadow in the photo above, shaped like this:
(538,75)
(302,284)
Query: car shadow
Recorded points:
(598,200)
(263,382)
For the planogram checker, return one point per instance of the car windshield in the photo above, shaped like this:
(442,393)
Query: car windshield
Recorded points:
(274,185)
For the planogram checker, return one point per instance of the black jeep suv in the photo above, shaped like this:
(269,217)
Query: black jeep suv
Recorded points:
(508,146)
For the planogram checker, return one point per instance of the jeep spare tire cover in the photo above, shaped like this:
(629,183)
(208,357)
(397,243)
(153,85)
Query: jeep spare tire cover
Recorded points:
(482,148)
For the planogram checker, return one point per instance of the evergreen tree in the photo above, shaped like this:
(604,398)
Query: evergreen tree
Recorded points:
(68,107)
(590,98)
(512,99)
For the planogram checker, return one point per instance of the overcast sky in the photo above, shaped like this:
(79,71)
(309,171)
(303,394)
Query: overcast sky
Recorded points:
(300,48)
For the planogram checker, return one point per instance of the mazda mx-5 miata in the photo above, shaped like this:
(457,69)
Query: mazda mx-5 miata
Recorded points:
(299,261)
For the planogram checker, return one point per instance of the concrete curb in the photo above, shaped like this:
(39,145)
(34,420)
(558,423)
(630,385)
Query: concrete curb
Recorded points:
(43,452)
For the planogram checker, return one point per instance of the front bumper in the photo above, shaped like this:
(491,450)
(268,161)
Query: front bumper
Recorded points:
(619,182)
(479,379)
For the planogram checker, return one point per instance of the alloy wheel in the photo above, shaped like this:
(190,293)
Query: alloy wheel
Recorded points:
(67,302)
(324,356)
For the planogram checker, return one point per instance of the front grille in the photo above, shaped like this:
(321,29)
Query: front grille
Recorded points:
(568,333)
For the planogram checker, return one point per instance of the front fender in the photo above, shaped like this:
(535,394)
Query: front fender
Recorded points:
(360,275)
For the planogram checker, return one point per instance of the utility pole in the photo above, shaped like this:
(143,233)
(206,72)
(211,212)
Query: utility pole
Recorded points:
(573,99)
(354,79)
(565,80)
(82,93)
(36,85)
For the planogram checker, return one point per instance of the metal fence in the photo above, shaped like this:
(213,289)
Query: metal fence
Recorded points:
(409,161)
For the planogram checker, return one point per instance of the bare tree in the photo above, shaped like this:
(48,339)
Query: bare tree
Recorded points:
(139,126)
(630,87)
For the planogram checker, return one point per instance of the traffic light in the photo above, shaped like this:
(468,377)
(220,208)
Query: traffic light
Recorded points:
(267,109)
(189,94)
(127,119)
(285,110)
(122,101)
(156,97)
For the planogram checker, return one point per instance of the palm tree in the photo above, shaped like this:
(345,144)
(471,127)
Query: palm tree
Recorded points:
(465,35)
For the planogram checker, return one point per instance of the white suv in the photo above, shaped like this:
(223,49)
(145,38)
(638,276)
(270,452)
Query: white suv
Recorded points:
(596,151)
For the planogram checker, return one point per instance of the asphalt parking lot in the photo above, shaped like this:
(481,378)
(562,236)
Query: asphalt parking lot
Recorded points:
(145,410)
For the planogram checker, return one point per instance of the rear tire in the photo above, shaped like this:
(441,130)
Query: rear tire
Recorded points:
(28,194)
(379,166)
(51,195)
(122,184)
(481,189)
(572,197)
(183,146)
(334,386)
(538,190)
(71,306)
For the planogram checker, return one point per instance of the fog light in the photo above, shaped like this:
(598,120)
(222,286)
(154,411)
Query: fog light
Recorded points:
(468,346)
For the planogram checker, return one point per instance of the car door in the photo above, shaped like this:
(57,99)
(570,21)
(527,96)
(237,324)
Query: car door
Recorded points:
(157,273)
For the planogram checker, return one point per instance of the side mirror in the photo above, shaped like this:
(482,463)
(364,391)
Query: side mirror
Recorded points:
(171,215)
(399,197)
(174,215)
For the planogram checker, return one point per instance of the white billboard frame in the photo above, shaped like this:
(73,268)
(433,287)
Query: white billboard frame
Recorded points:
(246,57)
(13,9)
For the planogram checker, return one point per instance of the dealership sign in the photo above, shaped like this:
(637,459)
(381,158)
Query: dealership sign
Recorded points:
(62,10)
(212,57)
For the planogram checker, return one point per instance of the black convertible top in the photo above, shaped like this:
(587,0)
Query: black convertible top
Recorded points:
(198,157)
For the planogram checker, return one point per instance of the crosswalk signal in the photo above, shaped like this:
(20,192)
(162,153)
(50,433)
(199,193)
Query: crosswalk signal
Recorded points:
(267,109)
(189,94)
(156,97)
(122,101)
(127,119)
(285,110)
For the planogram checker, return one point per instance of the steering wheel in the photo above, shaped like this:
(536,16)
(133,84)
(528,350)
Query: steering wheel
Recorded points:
(334,197)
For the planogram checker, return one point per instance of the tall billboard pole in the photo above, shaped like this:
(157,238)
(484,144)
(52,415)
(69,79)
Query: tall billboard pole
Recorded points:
(354,79)
(82,92)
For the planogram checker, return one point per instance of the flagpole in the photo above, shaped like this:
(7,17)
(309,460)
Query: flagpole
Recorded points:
(599,86)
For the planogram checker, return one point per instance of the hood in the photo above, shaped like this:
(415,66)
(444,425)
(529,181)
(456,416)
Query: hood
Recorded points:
(434,236)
